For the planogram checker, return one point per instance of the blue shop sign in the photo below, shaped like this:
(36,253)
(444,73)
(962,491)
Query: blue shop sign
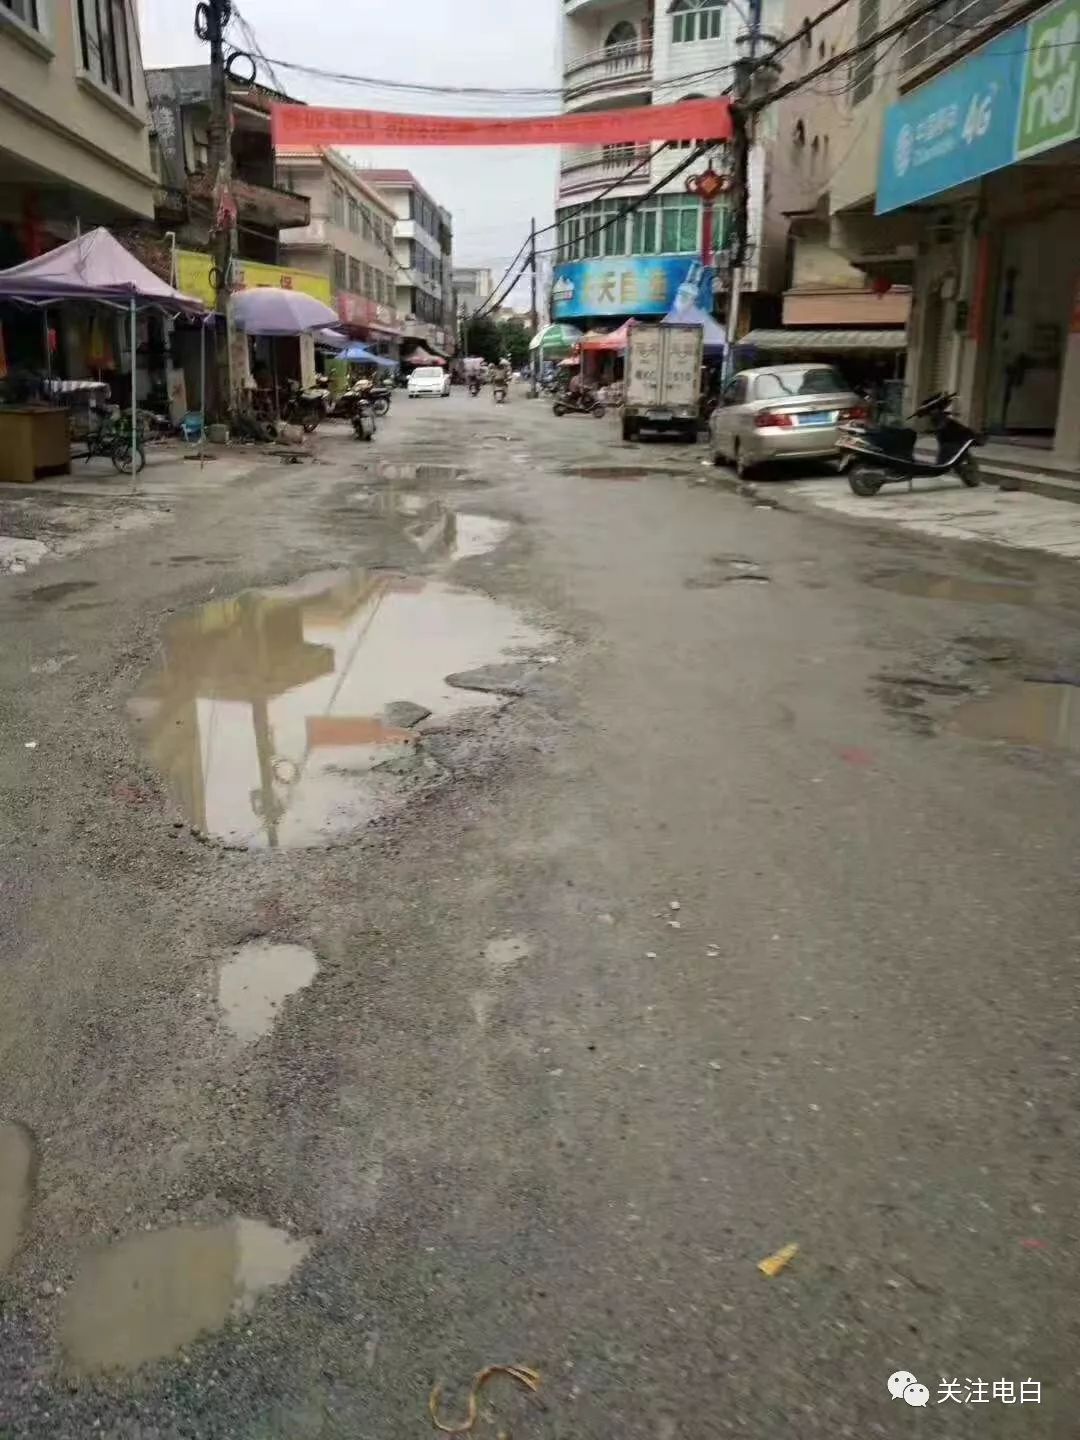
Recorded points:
(628,285)
(956,128)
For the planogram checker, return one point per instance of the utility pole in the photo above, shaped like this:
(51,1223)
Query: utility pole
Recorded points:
(217,15)
(745,66)
(534,355)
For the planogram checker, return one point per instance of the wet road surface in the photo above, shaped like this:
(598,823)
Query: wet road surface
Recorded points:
(463,908)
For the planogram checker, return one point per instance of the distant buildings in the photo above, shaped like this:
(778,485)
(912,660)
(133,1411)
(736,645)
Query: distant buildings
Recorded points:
(423,246)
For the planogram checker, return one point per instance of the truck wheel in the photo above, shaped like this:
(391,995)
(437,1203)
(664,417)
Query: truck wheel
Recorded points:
(691,433)
(629,430)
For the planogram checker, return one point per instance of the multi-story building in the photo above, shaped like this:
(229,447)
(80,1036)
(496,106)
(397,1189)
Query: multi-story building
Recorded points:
(964,178)
(423,245)
(74,137)
(830,307)
(621,53)
(472,286)
(349,239)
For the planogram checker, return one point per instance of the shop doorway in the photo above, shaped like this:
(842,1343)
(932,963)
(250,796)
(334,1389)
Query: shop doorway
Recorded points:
(1036,273)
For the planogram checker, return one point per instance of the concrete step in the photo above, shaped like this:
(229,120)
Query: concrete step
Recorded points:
(1036,482)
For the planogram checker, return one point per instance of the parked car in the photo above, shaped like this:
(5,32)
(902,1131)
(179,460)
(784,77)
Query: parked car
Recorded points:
(782,412)
(428,380)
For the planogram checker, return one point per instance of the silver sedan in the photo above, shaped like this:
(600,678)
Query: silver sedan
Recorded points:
(781,412)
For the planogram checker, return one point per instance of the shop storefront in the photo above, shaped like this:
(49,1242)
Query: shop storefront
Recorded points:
(987,151)
(376,325)
(605,292)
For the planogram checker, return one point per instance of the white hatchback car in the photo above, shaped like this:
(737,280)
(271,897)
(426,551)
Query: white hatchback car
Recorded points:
(428,380)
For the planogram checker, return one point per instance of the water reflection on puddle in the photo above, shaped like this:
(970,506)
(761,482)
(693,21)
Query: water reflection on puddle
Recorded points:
(435,530)
(265,714)
(255,983)
(928,586)
(143,1298)
(1028,713)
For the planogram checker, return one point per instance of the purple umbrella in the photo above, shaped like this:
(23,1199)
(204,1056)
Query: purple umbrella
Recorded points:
(267,310)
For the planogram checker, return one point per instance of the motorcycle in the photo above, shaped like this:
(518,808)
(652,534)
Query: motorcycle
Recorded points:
(305,407)
(499,391)
(380,398)
(880,455)
(363,419)
(583,403)
(474,387)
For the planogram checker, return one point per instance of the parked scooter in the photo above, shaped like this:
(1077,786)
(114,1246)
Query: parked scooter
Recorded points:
(380,398)
(499,391)
(474,386)
(885,454)
(363,419)
(305,407)
(584,402)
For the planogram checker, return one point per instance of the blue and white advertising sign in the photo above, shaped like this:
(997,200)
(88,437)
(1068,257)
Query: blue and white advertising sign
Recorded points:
(629,285)
(958,127)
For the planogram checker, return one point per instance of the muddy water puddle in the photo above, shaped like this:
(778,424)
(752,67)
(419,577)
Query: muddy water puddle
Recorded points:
(1046,716)
(255,982)
(145,1297)
(267,713)
(18,1177)
(929,586)
(434,528)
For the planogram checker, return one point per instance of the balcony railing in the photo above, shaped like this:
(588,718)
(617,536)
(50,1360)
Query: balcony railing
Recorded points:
(611,67)
(265,205)
(950,27)
(582,168)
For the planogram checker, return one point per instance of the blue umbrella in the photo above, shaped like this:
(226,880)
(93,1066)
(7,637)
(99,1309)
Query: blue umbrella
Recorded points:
(715,336)
(360,355)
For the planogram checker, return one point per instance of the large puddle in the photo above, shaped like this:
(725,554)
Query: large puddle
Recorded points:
(1027,713)
(144,1298)
(928,586)
(436,530)
(267,712)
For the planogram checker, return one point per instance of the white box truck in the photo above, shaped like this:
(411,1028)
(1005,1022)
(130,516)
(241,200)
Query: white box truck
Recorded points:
(663,380)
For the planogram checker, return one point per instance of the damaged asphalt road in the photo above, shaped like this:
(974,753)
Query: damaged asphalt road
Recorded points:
(348,1049)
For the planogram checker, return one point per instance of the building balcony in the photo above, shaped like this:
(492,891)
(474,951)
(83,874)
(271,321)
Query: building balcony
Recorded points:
(605,74)
(581,7)
(583,169)
(263,205)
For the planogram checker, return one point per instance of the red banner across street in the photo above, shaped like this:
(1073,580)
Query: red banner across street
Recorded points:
(300,126)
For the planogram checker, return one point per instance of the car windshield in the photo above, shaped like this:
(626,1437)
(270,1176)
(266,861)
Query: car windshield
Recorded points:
(786,384)
(427,372)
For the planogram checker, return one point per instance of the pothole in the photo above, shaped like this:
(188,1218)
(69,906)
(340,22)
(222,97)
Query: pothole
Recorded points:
(1046,716)
(434,528)
(48,594)
(267,714)
(609,472)
(929,586)
(144,1298)
(255,982)
(411,473)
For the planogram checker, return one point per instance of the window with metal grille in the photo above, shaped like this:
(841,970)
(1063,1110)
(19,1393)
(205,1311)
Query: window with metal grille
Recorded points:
(24,10)
(341,271)
(861,74)
(105,44)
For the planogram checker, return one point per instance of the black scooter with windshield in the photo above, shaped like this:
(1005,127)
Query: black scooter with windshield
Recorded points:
(880,455)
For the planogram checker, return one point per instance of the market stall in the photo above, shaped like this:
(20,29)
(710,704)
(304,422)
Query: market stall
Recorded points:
(95,268)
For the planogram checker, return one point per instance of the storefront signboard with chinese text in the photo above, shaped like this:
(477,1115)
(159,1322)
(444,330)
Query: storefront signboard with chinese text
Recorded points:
(626,285)
(1014,98)
(194,269)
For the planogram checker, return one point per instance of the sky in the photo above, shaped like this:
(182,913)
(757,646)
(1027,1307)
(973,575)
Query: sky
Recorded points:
(491,192)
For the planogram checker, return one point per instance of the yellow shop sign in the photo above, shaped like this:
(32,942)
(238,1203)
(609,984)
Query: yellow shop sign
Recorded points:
(194,270)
